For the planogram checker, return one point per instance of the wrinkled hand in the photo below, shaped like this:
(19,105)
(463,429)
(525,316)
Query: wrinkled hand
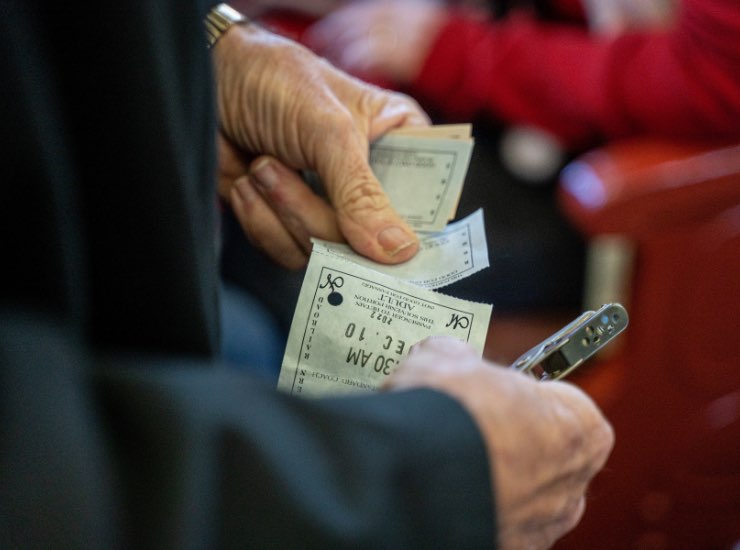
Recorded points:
(545,440)
(389,39)
(278,212)
(277,99)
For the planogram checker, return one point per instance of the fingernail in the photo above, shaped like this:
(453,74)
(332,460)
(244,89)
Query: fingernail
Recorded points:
(263,173)
(394,240)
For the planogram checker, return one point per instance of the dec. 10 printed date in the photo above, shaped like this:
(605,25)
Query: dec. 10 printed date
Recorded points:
(381,362)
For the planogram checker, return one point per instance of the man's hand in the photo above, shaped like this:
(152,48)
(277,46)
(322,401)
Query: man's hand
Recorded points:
(277,210)
(545,440)
(276,98)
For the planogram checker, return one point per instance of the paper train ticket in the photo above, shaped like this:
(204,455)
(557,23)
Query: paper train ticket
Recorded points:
(353,325)
(458,251)
(422,176)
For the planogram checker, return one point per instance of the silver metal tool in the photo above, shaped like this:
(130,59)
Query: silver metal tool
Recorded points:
(569,347)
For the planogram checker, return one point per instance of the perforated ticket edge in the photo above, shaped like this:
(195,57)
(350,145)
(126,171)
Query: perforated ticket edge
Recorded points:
(426,270)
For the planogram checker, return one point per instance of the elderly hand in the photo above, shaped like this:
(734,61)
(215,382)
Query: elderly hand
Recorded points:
(389,39)
(277,99)
(545,440)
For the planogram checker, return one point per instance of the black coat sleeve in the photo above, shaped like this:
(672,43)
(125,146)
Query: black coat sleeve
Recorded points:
(116,430)
(172,453)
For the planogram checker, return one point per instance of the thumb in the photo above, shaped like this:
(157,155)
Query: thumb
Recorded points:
(364,213)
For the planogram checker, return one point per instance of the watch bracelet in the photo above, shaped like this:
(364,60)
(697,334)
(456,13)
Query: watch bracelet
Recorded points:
(219,19)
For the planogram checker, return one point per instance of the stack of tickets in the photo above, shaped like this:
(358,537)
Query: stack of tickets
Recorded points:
(422,171)
(356,319)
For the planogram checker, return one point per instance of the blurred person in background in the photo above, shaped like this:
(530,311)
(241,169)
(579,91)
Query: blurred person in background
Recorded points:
(610,69)
(543,81)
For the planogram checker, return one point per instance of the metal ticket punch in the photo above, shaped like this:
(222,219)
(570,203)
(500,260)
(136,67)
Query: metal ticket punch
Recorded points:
(568,348)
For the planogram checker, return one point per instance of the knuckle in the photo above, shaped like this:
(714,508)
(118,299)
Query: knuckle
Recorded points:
(604,442)
(572,514)
(332,127)
(342,127)
(406,100)
(362,196)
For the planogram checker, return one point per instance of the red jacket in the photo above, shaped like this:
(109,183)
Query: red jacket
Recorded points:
(684,82)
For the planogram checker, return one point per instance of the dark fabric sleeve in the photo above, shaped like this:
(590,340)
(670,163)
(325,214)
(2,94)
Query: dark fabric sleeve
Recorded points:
(243,464)
(56,482)
(107,159)
(115,430)
(171,454)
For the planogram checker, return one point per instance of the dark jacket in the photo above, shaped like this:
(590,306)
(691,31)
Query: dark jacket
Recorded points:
(117,428)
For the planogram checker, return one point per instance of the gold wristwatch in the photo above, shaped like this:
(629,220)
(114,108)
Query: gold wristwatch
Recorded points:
(220,19)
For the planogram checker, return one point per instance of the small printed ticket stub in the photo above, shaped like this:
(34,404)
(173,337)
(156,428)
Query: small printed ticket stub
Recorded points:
(422,171)
(443,258)
(439,131)
(353,325)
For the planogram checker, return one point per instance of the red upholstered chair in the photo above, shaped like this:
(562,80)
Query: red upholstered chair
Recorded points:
(665,220)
